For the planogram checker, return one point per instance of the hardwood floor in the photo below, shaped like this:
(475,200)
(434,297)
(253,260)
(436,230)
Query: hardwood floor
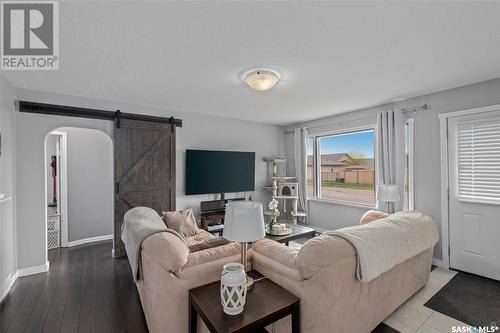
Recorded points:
(85,291)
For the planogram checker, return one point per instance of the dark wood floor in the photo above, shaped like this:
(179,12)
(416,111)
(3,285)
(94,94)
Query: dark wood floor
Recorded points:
(85,291)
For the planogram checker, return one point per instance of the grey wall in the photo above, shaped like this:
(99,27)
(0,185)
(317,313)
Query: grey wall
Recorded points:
(427,149)
(90,183)
(8,265)
(198,132)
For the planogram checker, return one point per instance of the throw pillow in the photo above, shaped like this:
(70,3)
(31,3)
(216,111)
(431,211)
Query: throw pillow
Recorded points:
(372,215)
(182,221)
(208,244)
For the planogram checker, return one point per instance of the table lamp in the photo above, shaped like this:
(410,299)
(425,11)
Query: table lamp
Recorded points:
(388,193)
(244,223)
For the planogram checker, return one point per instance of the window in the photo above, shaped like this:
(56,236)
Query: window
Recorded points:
(478,160)
(409,190)
(345,169)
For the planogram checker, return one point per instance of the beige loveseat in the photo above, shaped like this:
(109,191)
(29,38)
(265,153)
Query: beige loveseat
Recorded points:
(169,270)
(323,275)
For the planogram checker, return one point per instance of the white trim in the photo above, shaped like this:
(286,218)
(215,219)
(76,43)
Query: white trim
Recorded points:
(443,136)
(468,112)
(33,270)
(411,163)
(445,238)
(345,130)
(6,284)
(90,240)
(63,179)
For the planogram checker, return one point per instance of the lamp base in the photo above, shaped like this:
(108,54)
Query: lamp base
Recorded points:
(249,283)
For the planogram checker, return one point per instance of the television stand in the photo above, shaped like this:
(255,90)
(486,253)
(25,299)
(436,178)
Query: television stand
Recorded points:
(212,213)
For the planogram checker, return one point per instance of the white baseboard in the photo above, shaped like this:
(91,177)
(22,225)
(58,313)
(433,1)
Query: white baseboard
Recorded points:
(90,240)
(440,263)
(6,284)
(33,270)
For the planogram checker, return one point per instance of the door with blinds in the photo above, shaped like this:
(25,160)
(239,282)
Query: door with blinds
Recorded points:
(474,198)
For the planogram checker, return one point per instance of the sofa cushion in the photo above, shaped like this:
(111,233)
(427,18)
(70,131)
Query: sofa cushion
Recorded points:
(201,236)
(168,250)
(182,221)
(279,252)
(372,215)
(320,252)
(214,254)
(208,244)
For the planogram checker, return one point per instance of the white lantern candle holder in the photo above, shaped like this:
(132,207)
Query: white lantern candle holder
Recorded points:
(233,290)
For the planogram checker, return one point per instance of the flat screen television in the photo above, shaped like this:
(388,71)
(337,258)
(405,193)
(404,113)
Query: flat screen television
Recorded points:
(212,171)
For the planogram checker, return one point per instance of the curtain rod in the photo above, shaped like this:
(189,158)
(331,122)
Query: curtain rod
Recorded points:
(415,109)
(72,111)
(404,110)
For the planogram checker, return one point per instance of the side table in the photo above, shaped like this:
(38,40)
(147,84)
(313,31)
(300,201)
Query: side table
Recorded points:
(265,304)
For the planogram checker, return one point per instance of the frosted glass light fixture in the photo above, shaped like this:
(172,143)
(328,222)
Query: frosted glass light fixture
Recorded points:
(261,79)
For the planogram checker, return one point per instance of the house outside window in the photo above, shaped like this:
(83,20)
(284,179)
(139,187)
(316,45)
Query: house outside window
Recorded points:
(341,167)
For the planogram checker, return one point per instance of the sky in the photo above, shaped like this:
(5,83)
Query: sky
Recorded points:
(359,142)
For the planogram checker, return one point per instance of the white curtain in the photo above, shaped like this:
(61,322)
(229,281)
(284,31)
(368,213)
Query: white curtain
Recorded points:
(300,161)
(390,154)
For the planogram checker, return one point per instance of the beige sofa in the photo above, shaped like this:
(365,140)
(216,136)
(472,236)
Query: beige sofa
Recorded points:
(169,270)
(322,274)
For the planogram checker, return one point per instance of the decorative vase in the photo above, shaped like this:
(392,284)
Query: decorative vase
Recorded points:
(233,290)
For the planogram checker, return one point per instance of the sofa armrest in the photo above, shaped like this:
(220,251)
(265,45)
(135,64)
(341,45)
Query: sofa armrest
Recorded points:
(170,252)
(320,252)
(212,254)
(276,251)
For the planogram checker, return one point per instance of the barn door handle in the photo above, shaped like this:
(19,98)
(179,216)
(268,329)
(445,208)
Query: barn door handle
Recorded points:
(118,116)
(117,187)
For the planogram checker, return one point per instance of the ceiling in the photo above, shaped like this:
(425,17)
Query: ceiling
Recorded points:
(333,56)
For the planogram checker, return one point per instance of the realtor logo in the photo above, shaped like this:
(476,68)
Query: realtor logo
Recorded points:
(30,35)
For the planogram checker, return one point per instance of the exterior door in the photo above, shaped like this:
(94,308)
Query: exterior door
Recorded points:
(144,170)
(474,198)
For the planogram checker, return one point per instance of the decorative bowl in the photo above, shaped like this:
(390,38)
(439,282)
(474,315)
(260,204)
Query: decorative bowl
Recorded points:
(279,229)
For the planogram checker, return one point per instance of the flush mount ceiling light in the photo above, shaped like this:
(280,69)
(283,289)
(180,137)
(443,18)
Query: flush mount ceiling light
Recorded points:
(261,79)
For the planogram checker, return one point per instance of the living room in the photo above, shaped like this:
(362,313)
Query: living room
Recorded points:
(346,153)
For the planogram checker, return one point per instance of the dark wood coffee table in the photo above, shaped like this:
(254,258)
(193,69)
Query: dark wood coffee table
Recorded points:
(266,303)
(298,231)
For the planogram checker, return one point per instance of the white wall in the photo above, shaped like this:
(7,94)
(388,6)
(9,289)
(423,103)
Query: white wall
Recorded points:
(90,172)
(198,132)
(8,264)
(427,149)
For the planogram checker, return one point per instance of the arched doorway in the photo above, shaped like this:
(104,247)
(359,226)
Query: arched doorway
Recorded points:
(79,186)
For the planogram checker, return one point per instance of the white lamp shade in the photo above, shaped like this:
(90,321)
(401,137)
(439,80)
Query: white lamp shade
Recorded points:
(244,221)
(388,193)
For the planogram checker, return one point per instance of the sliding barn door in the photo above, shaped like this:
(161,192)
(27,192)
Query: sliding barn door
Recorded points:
(144,170)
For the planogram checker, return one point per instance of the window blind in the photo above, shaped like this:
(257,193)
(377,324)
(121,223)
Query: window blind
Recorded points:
(478,154)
